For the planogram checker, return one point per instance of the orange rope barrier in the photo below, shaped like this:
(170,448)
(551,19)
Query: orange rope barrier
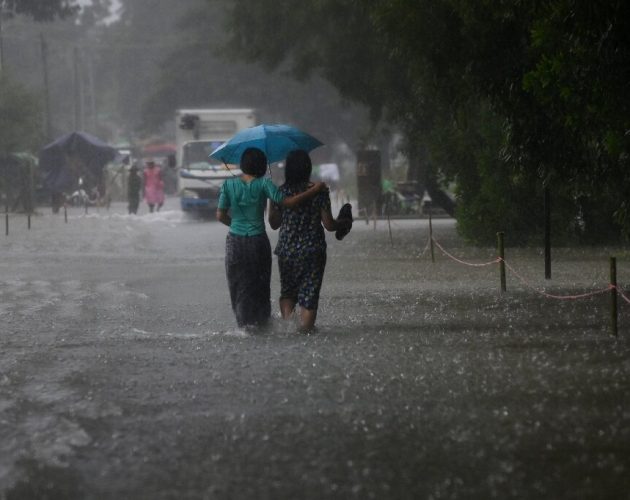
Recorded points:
(623,294)
(558,297)
(529,285)
(495,261)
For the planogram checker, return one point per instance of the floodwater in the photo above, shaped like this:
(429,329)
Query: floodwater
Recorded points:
(122,374)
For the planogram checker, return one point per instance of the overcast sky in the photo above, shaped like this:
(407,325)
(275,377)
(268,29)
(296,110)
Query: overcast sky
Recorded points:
(114,9)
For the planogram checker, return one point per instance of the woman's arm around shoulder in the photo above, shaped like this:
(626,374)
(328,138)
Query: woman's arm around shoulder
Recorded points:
(295,200)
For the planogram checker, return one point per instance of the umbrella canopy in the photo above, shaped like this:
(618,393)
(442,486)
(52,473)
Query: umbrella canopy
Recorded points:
(161,149)
(276,141)
(64,158)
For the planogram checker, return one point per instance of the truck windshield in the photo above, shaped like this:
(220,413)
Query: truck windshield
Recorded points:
(196,156)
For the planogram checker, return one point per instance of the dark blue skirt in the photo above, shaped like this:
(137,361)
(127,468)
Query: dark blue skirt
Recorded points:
(248,269)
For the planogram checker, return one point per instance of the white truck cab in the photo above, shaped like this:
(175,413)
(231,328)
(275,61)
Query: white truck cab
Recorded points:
(198,133)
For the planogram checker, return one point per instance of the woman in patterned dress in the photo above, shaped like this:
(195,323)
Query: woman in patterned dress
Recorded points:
(301,247)
(247,251)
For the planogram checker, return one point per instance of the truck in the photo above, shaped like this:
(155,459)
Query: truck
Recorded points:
(198,133)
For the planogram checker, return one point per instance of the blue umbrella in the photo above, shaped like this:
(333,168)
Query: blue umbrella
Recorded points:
(276,141)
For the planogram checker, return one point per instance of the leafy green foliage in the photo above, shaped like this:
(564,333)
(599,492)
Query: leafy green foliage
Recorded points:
(329,38)
(502,98)
(199,72)
(20,123)
(580,75)
(505,98)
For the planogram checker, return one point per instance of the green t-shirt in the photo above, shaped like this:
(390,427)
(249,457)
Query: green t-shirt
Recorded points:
(246,202)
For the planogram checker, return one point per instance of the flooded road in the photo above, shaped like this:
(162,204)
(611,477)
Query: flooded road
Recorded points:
(122,374)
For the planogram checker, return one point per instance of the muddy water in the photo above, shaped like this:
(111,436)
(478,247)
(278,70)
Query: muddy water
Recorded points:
(122,374)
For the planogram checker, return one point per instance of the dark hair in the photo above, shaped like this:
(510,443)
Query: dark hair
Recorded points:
(298,167)
(254,162)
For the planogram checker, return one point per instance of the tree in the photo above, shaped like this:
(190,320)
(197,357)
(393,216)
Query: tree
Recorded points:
(20,130)
(580,74)
(341,41)
(196,74)
(547,79)
(60,27)
(20,125)
(40,10)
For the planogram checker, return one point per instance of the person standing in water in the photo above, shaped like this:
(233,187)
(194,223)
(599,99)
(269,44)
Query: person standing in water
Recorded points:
(134,186)
(301,247)
(153,186)
(241,207)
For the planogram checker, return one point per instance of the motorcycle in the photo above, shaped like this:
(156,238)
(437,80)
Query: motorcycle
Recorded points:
(81,197)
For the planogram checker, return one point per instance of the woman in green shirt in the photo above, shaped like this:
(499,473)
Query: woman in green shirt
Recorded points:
(242,203)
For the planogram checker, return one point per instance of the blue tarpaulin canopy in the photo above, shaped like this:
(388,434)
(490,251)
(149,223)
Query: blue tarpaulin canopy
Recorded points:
(64,159)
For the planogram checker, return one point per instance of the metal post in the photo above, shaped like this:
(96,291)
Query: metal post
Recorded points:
(613,295)
(31,195)
(7,192)
(431,232)
(500,238)
(547,209)
(374,214)
(389,223)
(65,213)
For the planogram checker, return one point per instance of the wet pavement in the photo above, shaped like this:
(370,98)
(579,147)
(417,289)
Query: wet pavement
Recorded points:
(122,374)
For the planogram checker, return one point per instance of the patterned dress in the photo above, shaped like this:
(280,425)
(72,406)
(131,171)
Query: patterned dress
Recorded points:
(301,248)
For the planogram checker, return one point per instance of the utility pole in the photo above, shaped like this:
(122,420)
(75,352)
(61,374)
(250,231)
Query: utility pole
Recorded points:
(1,43)
(92,112)
(78,98)
(48,119)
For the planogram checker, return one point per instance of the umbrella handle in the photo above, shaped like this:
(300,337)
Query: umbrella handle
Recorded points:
(228,168)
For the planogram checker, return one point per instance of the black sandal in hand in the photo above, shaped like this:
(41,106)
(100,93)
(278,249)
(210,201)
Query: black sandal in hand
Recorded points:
(344,214)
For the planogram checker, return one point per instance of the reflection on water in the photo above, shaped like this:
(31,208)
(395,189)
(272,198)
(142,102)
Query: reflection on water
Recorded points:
(123,375)
(45,481)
